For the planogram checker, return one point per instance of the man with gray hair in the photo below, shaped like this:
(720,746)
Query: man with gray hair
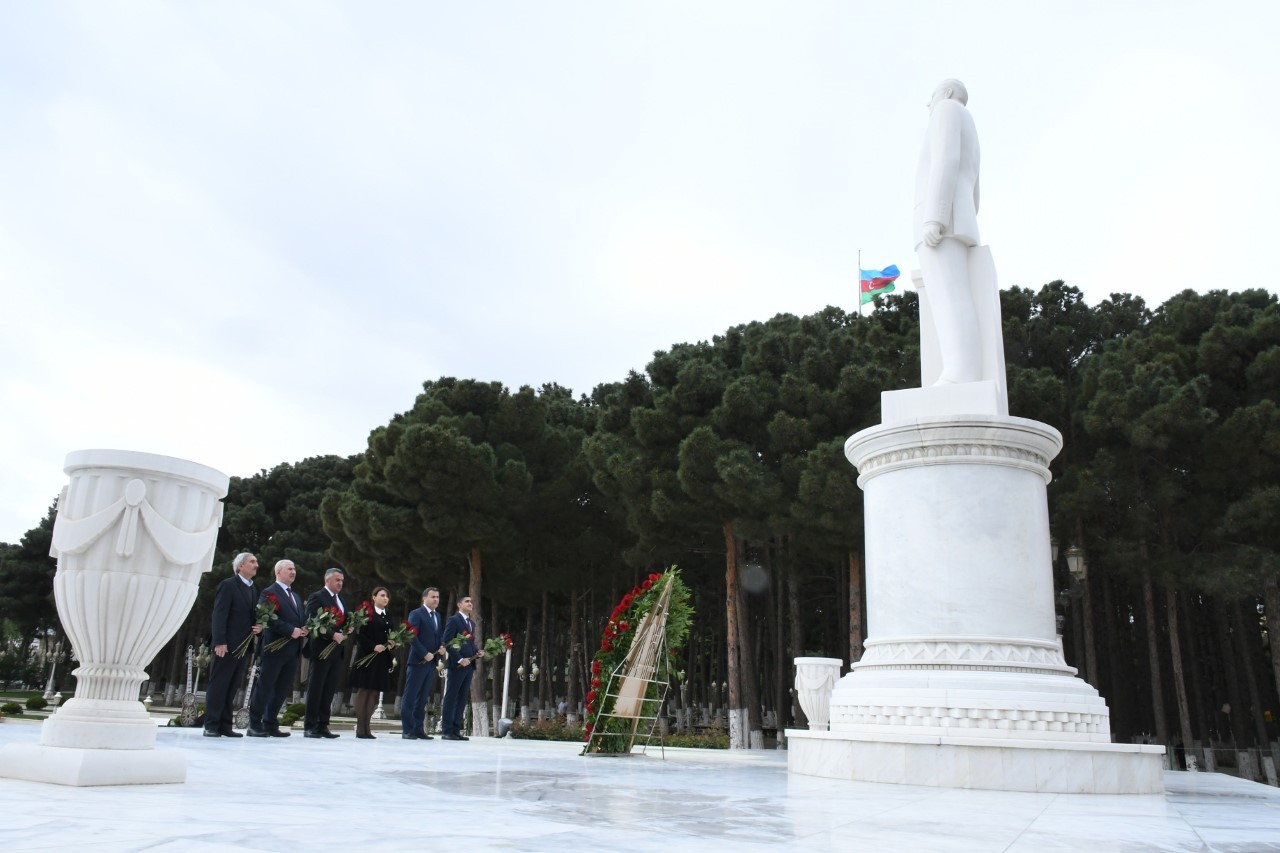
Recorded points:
(275,675)
(322,683)
(233,622)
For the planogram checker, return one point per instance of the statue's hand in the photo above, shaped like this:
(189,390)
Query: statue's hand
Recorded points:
(932,234)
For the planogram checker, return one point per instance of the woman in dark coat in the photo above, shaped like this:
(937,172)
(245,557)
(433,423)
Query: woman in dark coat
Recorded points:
(375,676)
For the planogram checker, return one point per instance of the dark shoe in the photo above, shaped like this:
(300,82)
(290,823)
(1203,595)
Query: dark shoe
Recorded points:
(257,733)
(408,736)
(366,737)
(328,734)
(230,733)
(310,733)
(212,733)
(278,733)
(424,736)
(452,737)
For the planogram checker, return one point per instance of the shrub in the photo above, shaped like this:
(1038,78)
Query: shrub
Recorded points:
(547,730)
(10,708)
(36,703)
(702,740)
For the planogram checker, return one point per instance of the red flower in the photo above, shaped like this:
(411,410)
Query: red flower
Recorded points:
(275,602)
(607,646)
(625,626)
(507,637)
(591,709)
(591,696)
(367,608)
(647,585)
(610,632)
(411,628)
(339,618)
(595,667)
(626,601)
(588,728)
(655,577)
(595,682)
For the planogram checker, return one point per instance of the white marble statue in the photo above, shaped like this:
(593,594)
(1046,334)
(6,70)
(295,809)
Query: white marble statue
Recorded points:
(946,227)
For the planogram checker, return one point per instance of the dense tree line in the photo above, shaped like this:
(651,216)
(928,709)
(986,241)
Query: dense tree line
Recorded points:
(726,457)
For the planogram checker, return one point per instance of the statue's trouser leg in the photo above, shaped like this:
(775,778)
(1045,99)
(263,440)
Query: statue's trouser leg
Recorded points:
(946,280)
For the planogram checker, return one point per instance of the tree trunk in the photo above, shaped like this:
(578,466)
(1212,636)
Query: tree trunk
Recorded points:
(1272,601)
(1153,653)
(575,655)
(738,736)
(479,708)
(525,660)
(544,680)
(856,632)
(1234,707)
(1246,636)
(748,674)
(781,694)
(1179,681)
(795,636)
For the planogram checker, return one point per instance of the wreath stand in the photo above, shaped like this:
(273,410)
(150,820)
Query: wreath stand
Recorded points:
(630,682)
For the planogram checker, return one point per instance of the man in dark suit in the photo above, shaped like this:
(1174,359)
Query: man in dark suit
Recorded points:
(426,650)
(233,607)
(458,687)
(323,681)
(275,675)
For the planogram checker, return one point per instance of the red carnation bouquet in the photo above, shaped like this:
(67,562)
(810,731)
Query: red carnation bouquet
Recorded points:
(350,623)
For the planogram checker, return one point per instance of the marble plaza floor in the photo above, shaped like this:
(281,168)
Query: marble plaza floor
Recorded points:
(485,794)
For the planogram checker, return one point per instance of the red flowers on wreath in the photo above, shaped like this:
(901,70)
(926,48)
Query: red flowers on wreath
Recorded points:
(607,646)
(591,696)
(627,601)
(596,683)
(655,577)
(647,585)
(595,667)
(624,626)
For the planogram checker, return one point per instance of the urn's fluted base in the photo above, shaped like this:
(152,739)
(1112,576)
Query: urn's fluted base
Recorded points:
(100,724)
(86,767)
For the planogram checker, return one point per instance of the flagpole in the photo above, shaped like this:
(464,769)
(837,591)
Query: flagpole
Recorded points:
(859,284)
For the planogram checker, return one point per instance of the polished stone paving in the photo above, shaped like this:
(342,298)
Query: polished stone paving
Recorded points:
(389,794)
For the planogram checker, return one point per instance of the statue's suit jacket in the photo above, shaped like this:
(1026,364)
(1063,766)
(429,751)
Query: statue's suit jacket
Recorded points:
(947,175)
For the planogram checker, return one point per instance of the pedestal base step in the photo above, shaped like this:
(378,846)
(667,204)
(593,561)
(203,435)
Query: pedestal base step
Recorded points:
(60,765)
(958,762)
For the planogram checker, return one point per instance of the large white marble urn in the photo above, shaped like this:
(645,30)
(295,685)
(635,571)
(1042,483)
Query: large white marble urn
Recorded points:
(133,534)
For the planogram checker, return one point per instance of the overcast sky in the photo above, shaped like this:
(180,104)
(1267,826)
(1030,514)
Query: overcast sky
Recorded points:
(244,233)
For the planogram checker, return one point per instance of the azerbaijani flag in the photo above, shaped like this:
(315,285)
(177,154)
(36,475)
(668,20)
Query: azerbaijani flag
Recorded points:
(876,282)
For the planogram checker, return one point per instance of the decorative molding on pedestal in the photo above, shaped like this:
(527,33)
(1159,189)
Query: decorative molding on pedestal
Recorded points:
(971,440)
(994,654)
(120,598)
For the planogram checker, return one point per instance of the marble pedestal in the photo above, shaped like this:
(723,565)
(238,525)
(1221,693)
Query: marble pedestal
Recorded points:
(133,534)
(963,682)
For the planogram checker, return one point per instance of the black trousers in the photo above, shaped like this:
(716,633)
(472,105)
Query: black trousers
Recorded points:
(272,688)
(321,685)
(220,693)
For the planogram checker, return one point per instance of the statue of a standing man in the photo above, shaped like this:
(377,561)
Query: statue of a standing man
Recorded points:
(946,226)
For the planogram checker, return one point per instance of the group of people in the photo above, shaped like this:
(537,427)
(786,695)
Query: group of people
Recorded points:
(285,639)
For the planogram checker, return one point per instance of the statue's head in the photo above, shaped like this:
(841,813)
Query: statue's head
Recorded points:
(949,90)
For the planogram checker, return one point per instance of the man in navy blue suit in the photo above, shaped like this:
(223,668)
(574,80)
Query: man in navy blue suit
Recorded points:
(427,648)
(275,676)
(233,622)
(458,687)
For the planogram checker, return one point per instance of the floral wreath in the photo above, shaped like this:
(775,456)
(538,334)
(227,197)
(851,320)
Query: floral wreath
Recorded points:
(615,642)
